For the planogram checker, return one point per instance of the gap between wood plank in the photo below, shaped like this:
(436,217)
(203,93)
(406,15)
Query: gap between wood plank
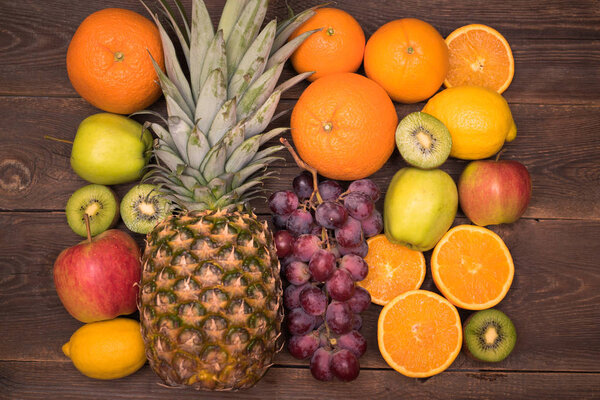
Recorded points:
(60,211)
(292,101)
(306,367)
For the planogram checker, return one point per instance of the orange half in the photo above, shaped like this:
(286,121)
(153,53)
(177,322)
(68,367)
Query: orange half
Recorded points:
(419,333)
(479,56)
(393,270)
(472,267)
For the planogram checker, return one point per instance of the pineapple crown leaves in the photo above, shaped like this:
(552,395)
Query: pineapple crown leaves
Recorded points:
(208,153)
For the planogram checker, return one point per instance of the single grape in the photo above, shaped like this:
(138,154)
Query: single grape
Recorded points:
(283,202)
(284,242)
(350,234)
(299,222)
(305,246)
(303,185)
(280,221)
(353,341)
(304,346)
(297,273)
(330,190)
(360,300)
(291,296)
(320,365)
(345,365)
(330,215)
(339,317)
(316,230)
(322,265)
(288,260)
(318,321)
(359,205)
(355,265)
(373,224)
(299,322)
(313,301)
(356,322)
(367,187)
(340,286)
(361,250)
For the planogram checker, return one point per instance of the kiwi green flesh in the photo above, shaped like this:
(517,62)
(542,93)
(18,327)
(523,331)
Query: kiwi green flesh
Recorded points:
(100,204)
(489,335)
(423,140)
(143,207)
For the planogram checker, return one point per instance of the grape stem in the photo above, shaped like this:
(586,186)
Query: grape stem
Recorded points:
(305,166)
(325,237)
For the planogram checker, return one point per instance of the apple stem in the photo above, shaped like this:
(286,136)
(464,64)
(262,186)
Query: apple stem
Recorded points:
(499,154)
(57,139)
(86,217)
(305,166)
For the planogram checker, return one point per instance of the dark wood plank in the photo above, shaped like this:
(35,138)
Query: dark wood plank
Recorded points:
(569,65)
(558,144)
(35,41)
(553,300)
(50,380)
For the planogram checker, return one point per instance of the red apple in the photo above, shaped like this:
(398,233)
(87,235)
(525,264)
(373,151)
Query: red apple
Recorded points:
(97,278)
(494,192)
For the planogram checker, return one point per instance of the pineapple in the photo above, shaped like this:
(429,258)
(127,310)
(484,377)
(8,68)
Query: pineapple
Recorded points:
(211,296)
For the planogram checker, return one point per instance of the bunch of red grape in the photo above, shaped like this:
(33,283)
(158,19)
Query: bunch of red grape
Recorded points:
(321,244)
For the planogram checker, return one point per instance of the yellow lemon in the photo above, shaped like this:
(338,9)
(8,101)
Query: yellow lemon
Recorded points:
(107,349)
(478,119)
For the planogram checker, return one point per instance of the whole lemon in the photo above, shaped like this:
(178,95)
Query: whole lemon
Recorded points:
(107,349)
(478,119)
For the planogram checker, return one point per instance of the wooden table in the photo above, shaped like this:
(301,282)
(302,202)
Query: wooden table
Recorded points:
(554,298)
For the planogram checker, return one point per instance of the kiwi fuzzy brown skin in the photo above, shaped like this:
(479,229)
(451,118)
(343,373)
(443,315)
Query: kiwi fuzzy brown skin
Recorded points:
(72,218)
(465,345)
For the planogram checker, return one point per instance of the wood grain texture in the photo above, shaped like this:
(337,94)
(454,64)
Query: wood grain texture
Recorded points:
(35,380)
(550,66)
(553,299)
(559,145)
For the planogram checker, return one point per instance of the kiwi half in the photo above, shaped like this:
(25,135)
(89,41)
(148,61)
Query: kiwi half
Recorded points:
(101,205)
(423,140)
(489,335)
(143,207)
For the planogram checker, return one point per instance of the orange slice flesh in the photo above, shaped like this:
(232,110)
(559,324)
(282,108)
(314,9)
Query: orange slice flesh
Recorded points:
(419,333)
(393,270)
(479,56)
(472,267)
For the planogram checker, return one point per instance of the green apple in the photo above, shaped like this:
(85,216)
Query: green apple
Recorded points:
(110,149)
(420,206)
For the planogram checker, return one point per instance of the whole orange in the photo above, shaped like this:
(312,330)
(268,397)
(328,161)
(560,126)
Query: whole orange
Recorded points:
(338,47)
(344,126)
(409,58)
(108,61)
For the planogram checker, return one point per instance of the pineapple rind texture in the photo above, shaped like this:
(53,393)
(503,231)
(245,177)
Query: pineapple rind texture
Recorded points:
(210,296)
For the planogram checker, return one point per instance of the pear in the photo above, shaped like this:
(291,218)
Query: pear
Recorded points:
(420,206)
